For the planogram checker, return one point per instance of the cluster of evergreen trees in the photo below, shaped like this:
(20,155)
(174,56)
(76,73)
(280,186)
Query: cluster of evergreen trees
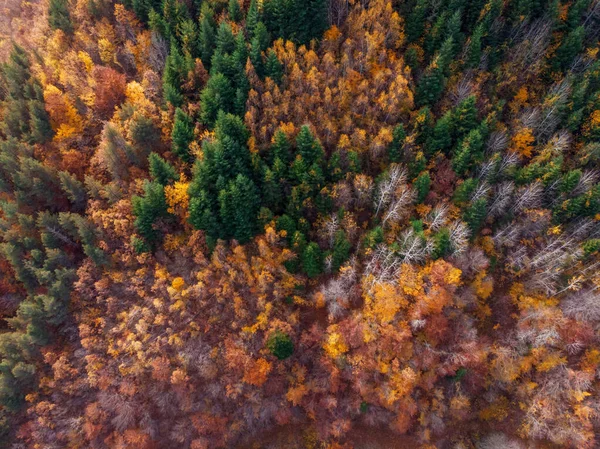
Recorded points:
(43,235)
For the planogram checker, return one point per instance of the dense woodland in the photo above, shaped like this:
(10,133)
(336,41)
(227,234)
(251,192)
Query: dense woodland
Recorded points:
(223,218)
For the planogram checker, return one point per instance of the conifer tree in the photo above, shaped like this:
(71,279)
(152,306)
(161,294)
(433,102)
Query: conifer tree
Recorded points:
(341,250)
(441,137)
(273,68)
(280,345)
(174,75)
(430,86)
(218,95)
(464,117)
(148,209)
(160,170)
(235,12)
(571,45)
(239,204)
(395,148)
(252,18)
(206,36)
(422,184)
(415,22)
(469,151)
(59,17)
(308,147)
(312,260)
(74,190)
(474,51)
(475,214)
(442,243)
(182,135)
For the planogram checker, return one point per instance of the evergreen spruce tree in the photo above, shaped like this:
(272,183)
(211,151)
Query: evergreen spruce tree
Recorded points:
(273,68)
(252,18)
(422,184)
(235,12)
(160,170)
(441,137)
(218,95)
(395,148)
(206,36)
(474,52)
(442,243)
(571,46)
(308,147)
(239,205)
(182,135)
(41,130)
(430,86)
(312,260)
(475,214)
(469,151)
(280,345)
(74,190)
(148,209)
(415,21)
(341,250)
(59,17)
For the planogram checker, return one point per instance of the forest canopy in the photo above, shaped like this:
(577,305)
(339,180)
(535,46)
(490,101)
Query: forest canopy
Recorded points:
(323,224)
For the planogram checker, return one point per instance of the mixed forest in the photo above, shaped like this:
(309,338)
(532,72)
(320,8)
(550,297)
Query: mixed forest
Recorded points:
(221,220)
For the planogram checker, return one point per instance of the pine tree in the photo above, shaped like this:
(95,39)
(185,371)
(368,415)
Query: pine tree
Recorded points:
(341,250)
(464,117)
(442,243)
(308,147)
(475,214)
(41,130)
(430,86)
(422,184)
(446,55)
(59,17)
(25,116)
(148,209)
(218,95)
(160,170)
(262,34)
(239,205)
(158,24)
(225,39)
(74,190)
(235,12)
(273,68)
(312,260)
(256,57)
(188,32)
(469,151)
(463,192)
(571,45)
(474,53)
(272,196)
(576,11)
(174,76)
(280,345)
(415,21)
(441,137)
(143,133)
(395,148)
(182,135)
(252,18)
(203,214)
(206,36)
